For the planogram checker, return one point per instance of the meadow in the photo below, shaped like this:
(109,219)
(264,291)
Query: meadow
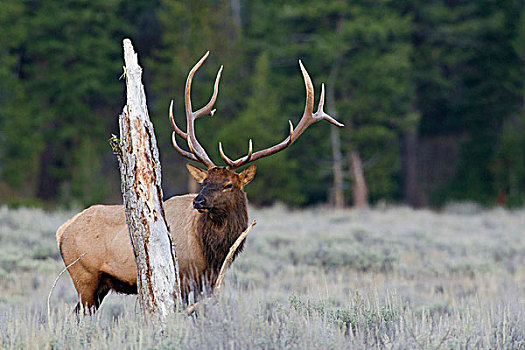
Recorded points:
(387,278)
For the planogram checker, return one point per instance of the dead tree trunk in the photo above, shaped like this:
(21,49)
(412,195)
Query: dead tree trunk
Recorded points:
(157,280)
(335,138)
(359,188)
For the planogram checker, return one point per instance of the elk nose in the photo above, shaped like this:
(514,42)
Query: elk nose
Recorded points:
(199,202)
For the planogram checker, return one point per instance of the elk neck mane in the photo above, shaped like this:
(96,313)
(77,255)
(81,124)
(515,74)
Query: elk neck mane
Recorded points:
(219,230)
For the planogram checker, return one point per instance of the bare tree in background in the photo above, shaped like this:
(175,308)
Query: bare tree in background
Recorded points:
(335,139)
(359,188)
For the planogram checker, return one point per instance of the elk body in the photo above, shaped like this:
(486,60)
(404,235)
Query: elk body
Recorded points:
(204,226)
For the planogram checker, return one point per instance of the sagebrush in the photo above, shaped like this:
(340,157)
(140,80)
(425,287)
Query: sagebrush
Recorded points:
(389,278)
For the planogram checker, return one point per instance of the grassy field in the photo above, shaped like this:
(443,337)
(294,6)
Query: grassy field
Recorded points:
(388,278)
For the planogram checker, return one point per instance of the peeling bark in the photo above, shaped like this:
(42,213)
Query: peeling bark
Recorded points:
(140,171)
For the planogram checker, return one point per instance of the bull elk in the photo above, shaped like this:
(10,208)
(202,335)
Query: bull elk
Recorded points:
(204,225)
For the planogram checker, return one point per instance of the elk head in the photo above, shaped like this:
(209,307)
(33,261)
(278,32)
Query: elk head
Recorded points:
(220,188)
(223,185)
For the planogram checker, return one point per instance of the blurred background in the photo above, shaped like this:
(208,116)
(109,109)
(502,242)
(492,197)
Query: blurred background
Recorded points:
(431,93)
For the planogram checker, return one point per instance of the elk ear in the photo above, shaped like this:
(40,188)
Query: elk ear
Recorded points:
(198,174)
(247,174)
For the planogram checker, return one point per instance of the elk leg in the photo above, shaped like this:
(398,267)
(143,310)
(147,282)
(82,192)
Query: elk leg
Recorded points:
(87,292)
(85,305)
(103,288)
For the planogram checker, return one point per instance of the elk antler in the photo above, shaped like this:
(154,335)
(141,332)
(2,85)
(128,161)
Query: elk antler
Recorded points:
(197,153)
(308,118)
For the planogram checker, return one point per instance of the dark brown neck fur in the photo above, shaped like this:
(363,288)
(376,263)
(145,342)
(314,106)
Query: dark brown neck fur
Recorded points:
(220,229)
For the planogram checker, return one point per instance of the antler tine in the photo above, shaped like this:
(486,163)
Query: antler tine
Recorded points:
(194,145)
(182,134)
(307,119)
(180,150)
(290,137)
(226,159)
(309,105)
(208,108)
(197,152)
(174,125)
(308,116)
(187,89)
(239,162)
(320,112)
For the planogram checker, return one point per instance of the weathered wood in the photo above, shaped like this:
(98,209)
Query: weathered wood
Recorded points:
(157,280)
(359,188)
(335,139)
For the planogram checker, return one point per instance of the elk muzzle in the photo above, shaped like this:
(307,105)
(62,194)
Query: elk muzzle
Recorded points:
(200,204)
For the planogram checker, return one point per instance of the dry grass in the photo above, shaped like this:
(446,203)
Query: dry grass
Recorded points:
(389,278)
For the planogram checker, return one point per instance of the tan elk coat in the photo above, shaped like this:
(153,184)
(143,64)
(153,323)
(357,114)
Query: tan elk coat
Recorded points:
(110,259)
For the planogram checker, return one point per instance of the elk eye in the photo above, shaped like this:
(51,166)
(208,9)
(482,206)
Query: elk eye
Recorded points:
(228,186)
